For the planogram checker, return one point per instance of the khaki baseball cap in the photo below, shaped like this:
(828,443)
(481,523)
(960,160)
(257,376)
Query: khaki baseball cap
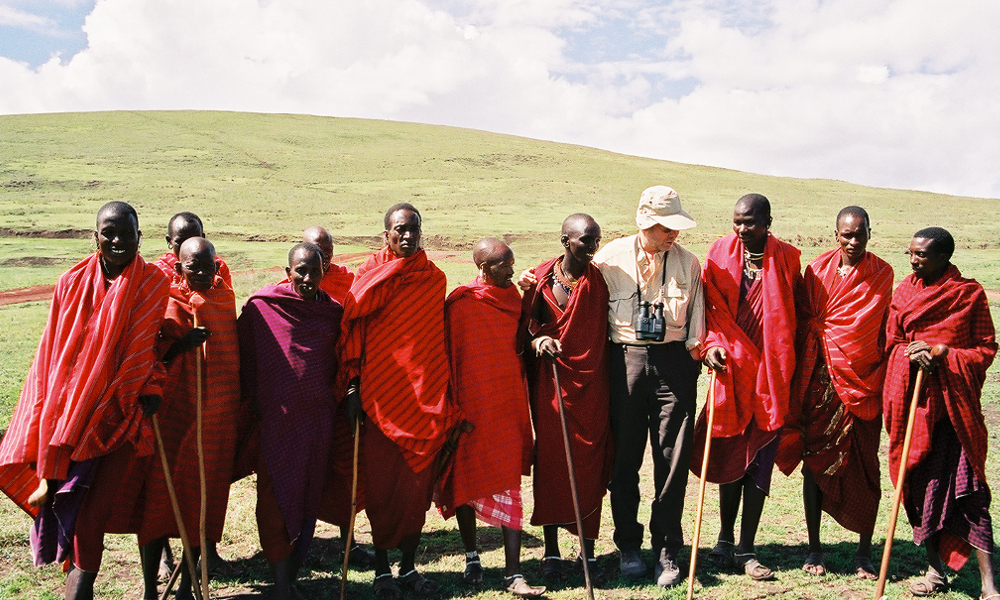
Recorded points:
(661,204)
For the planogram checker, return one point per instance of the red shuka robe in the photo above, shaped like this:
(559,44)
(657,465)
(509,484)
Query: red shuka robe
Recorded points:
(167,261)
(844,327)
(842,330)
(581,328)
(96,357)
(145,489)
(756,386)
(954,311)
(487,382)
(393,337)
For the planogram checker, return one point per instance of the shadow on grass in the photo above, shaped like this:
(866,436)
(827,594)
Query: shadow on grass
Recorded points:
(907,561)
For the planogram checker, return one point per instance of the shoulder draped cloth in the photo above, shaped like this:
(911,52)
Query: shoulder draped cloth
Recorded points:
(96,357)
(393,338)
(757,383)
(843,325)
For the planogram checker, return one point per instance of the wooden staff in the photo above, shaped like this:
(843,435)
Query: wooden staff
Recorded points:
(572,480)
(173,579)
(202,517)
(354,511)
(701,485)
(938,351)
(177,508)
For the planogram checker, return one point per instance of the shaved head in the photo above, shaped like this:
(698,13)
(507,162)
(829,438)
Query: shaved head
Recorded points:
(182,227)
(488,248)
(495,260)
(320,237)
(304,249)
(755,204)
(118,208)
(185,220)
(854,211)
(576,223)
(196,245)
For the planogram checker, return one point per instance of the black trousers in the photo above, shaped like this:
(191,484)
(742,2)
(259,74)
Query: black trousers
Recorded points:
(653,388)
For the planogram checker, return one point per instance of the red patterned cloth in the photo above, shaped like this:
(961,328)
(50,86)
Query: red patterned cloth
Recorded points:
(838,385)
(152,516)
(756,327)
(96,357)
(954,311)
(336,283)
(169,259)
(581,328)
(487,382)
(393,338)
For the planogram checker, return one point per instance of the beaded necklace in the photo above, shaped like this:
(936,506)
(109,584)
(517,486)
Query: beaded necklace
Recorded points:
(559,277)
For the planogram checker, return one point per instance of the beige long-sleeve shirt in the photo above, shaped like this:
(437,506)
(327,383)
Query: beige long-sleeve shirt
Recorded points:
(622,263)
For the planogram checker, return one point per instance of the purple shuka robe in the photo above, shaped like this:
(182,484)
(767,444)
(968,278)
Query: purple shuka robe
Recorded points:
(288,363)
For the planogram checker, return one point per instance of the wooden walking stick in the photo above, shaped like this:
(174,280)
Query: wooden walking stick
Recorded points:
(938,351)
(177,509)
(701,485)
(354,511)
(199,351)
(173,579)
(572,480)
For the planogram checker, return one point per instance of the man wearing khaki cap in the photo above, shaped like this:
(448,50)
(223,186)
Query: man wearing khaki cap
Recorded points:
(656,322)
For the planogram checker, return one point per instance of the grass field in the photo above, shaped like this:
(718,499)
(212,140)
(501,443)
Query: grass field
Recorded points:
(258,180)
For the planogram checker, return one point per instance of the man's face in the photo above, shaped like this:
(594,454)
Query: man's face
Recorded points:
(117,237)
(498,269)
(180,231)
(403,235)
(583,240)
(305,271)
(852,235)
(750,226)
(325,244)
(657,238)
(198,267)
(926,262)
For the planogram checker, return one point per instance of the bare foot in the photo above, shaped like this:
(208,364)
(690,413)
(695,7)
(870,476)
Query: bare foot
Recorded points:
(41,494)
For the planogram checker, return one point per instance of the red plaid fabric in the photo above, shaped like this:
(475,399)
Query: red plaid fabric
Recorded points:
(166,264)
(487,382)
(953,310)
(757,385)
(393,337)
(96,356)
(501,510)
(145,489)
(843,327)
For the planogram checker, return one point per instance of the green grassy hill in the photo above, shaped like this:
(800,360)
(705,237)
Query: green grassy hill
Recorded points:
(258,180)
(266,177)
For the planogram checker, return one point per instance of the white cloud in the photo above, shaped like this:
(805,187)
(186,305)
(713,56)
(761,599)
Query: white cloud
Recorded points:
(13,17)
(883,92)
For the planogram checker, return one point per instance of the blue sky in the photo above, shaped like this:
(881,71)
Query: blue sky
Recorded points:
(895,93)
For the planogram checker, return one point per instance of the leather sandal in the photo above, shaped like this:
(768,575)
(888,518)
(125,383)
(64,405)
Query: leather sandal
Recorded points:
(864,569)
(518,585)
(815,564)
(928,585)
(752,567)
(552,569)
(473,571)
(385,588)
(722,555)
(418,584)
